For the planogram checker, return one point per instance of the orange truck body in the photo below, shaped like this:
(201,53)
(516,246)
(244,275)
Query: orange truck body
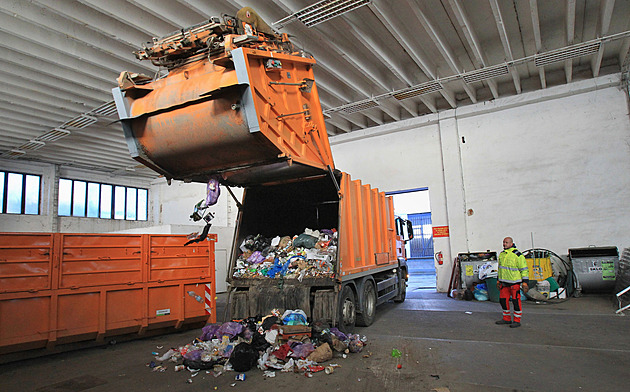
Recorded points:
(63,288)
(246,108)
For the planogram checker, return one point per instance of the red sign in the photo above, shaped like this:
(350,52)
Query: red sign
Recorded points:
(440,231)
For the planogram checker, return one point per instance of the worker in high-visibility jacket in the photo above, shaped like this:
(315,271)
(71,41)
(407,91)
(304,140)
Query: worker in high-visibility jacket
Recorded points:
(513,273)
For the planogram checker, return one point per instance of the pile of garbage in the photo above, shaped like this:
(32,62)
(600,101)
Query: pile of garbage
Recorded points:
(310,254)
(285,343)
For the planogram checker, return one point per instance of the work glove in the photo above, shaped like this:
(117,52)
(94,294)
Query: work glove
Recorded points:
(525,287)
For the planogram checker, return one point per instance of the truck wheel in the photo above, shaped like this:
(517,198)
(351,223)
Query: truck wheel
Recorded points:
(402,287)
(368,299)
(347,310)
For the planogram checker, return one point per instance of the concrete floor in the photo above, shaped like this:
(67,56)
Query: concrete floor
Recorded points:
(579,345)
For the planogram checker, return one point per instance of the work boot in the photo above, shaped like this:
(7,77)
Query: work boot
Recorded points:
(515,325)
(501,322)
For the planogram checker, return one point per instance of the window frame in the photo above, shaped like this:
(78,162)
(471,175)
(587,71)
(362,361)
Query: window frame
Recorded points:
(112,211)
(5,193)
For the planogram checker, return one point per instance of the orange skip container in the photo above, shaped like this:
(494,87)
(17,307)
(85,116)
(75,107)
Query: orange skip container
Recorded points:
(60,288)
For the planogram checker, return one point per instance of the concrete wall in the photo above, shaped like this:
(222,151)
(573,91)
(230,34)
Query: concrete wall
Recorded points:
(552,163)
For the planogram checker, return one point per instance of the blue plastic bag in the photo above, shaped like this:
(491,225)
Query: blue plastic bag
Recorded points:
(480,295)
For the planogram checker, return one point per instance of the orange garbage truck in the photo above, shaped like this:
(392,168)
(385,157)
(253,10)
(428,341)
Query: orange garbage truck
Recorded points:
(238,103)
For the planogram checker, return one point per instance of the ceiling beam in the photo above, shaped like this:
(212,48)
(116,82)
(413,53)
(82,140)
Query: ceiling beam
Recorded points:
(410,106)
(498,18)
(169,12)
(383,53)
(355,118)
(93,19)
(473,41)
(533,8)
(391,109)
(376,117)
(49,30)
(92,90)
(570,30)
(131,15)
(429,102)
(37,100)
(603,24)
(442,46)
(394,28)
(33,88)
(339,122)
(205,8)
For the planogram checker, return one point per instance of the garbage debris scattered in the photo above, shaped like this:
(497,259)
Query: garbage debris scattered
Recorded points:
(307,255)
(280,341)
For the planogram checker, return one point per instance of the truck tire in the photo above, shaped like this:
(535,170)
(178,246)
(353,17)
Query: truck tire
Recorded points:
(347,310)
(368,301)
(402,287)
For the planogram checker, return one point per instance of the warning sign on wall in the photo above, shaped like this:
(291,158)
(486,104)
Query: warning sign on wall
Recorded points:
(440,231)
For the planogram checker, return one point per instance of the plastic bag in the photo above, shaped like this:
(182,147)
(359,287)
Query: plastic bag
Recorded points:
(481,295)
(304,240)
(244,357)
(302,350)
(208,332)
(213,191)
(294,317)
(230,329)
(488,270)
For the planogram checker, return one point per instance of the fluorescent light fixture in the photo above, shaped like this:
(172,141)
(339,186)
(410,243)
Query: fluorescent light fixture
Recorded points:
(567,53)
(32,145)
(54,134)
(14,153)
(358,106)
(321,11)
(106,109)
(421,89)
(485,73)
(80,122)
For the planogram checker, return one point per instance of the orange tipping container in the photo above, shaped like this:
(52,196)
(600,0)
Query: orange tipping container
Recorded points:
(62,288)
(240,117)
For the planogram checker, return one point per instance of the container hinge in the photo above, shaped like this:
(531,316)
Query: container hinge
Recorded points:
(238,203)
(332,176)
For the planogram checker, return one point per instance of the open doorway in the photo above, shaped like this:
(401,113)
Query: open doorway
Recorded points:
(414,205)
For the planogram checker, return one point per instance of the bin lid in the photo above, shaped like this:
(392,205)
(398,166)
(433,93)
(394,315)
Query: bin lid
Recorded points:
(593,251)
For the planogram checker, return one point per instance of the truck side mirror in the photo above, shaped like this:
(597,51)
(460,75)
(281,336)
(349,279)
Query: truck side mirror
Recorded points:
(409,229)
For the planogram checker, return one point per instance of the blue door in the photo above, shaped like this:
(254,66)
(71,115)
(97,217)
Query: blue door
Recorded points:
(421,245)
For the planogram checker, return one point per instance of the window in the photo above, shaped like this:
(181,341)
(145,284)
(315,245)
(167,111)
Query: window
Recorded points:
(96,200)
(19,193)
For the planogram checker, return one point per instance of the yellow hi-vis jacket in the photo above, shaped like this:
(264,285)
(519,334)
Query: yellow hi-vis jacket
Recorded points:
(512,267)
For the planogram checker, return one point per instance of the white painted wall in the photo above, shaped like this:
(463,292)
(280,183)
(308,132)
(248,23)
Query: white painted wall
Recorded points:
(554,163)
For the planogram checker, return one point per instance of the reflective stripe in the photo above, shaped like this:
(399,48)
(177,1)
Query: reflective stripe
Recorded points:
(510,281)
(524,269)
(509,268)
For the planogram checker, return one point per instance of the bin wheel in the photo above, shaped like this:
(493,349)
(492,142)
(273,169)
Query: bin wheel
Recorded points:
(402,287)
(347,310)
(368,310)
